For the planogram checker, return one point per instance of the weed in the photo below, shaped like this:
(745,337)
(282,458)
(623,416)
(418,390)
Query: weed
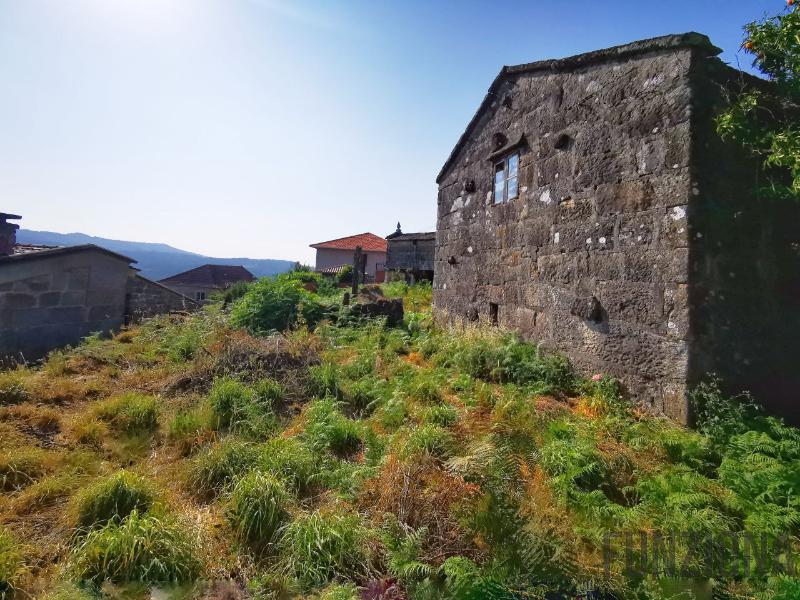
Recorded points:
(318,547)
(217,468)
(346,591)
(13,386)
(130,413)
(328,429)
(291,461)
(142,548)
(20,468)
(10,564)
(257,509)
(325,380)
(45,492)
(242,408)
(428,439)
(443,415)
(69,591)
(90,432)
(191,429)
(276,304)
(112,498)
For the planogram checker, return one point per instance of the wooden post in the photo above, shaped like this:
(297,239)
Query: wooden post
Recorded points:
(356,270)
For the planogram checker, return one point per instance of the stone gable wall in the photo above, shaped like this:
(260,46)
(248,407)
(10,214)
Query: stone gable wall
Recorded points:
(46,303)
(592,257)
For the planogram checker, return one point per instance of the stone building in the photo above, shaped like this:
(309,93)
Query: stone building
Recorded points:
(591,205)
(201,282)
(409,256)
(52,297)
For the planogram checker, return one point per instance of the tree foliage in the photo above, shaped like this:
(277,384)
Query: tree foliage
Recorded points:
(766,121)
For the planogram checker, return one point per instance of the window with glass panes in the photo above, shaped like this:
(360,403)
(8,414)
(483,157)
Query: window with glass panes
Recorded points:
(505,178)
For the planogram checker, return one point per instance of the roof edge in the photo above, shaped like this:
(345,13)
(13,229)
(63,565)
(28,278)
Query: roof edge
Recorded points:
(689,39)
(57,250)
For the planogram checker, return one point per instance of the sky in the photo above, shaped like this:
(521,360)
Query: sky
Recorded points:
(257,127)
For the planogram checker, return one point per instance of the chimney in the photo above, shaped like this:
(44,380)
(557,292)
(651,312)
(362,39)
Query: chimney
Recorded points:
(8,233)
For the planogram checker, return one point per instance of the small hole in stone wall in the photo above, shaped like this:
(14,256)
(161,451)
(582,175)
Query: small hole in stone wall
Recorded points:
(562,142)
(499,140)
(494,313)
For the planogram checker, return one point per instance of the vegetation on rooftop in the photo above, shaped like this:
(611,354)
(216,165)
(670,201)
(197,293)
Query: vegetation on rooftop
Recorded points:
(294,457)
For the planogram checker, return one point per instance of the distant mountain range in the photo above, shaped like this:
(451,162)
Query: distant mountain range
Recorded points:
(156,261)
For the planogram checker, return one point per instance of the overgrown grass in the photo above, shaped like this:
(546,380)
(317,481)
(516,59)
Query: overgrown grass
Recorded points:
(258,508)
(142,548)
(10,564)
(356,459)
(318,547)
(130,413)
(112,499)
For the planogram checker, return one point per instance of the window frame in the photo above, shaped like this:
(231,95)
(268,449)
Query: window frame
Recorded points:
(200,296)
(503,164)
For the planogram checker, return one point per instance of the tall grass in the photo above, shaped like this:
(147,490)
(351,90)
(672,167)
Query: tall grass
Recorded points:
(130,413)
(258,508)
(217,468)
(142,548)
(318,547)
(112,498)
(10,564)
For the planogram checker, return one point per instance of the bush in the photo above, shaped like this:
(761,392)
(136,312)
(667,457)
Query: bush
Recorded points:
(257,508)
(130,413)
(112,499)
(10,563)
(328,429)
(345,276)
(291,461)
(19,468)
(218,467)
(318,547)
(275,305)
(142,548)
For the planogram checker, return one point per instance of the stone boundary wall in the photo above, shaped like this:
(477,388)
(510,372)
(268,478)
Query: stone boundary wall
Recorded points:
(146,298)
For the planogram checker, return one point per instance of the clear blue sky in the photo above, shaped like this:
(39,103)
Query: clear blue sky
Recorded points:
(255,127)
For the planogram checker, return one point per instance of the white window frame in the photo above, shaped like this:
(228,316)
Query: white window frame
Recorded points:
(502,165)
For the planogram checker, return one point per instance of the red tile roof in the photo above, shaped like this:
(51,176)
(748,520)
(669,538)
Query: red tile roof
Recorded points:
(369,242)
(217,276)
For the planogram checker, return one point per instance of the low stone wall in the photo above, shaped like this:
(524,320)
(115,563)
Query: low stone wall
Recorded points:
(146,298)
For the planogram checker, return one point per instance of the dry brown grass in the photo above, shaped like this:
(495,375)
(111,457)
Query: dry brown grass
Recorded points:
(421,493)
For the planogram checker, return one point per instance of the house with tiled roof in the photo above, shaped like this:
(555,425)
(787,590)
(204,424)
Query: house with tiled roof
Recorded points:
(199,283)
(333,255)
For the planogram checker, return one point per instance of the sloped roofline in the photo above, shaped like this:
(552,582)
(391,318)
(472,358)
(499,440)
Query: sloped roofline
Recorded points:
(210,268)
(665,42)
(324,245)
(49,252)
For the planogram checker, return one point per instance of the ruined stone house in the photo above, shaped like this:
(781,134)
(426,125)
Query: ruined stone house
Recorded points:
(590,205)
(52,297)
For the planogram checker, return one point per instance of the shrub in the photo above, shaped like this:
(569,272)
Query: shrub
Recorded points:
(345,275)
(130,413)
(217,468)
(19,468)
(328,429)
(257,508)
(291,461)
(319,547)
(232,293)
(112,499)
(276,304)
(10,563)
(13,388)
(718,416)
(142,548)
